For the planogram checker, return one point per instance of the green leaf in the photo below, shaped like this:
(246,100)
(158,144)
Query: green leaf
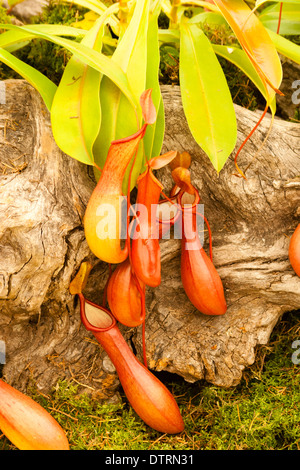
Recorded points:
(120,119)
(42,84)
(12,3)
(169,36)
(94,5)
(206,97)
(20,38)
(239,58)
(88,22)
(258,3)
(98,7)
(290,19)
(59,30)
(89,56)
(76,112)
(255,41)
(131,53)
(285,47)
(208,17)
(153,139)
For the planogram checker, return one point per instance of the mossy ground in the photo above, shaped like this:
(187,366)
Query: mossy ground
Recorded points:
(261,413)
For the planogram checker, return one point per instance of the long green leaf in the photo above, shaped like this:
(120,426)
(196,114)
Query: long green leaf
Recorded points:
(258,3)
(285,47)
(12,3)
(169,36)
(98,7)
(255,41)
(153,139)
(206,97)
(119,119)
(209,17)
(76,112)
(94,5)
(18,37)
(131,51)
(239,58)
(42,84)
(290,19)
(14,40)
(89,56)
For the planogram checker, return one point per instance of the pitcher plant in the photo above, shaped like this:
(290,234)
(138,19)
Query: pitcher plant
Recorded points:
(27,424)
(150,399)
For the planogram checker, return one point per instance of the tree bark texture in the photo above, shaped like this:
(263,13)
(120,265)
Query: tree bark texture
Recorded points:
(43,195)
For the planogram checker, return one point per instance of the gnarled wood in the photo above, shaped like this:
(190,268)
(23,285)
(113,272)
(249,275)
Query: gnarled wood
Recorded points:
(43,195)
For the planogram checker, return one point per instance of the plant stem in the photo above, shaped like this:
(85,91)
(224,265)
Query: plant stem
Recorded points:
(123,16)
(173,13)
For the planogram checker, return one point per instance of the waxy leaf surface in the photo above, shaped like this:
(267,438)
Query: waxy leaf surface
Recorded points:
(76,112)
(289,22)
(120,118)
(239,58)
(154,134)
(285,47)
(16,39)
(260,2)
(40,82)
(256,42)
(89,56)
(206,97)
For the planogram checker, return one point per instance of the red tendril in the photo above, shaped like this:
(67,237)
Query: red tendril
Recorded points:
(245,141)
(279,17)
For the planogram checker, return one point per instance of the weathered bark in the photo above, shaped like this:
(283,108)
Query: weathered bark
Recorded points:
(43,195)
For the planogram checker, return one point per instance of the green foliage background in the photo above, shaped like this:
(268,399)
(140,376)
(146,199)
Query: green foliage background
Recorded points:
(51,59)
(261,413)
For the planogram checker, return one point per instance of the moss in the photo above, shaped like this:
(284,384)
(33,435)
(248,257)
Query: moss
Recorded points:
(169,65)
(4,17)
(58,12)
(294,39)
(296,117)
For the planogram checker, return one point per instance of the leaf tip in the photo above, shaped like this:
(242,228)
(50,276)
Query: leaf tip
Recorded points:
(80,280)
(148,108)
